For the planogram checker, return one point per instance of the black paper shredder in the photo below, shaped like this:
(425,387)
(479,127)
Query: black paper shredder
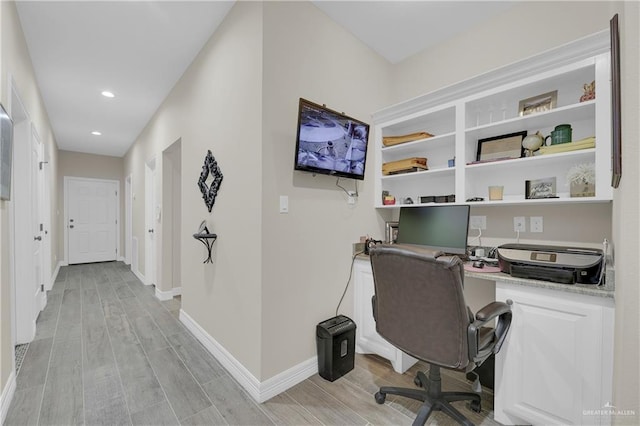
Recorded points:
(336,342)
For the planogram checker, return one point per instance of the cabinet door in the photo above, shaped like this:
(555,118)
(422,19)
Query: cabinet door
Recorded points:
(550,370)
(367,338)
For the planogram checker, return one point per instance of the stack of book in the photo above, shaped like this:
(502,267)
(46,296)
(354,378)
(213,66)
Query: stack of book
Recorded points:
(585,143)
(407,165)
(395,140)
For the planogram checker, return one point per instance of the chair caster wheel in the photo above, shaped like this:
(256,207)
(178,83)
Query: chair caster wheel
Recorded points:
(380,397)
(475,406)
(417,381)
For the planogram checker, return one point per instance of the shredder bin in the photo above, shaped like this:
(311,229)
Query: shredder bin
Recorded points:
(336,342)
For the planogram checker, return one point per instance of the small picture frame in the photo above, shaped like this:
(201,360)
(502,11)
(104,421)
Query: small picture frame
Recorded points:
(391,232)
(540,103)
(540,188)
(504,147)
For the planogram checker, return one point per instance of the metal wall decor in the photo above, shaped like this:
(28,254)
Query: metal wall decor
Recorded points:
(210,191)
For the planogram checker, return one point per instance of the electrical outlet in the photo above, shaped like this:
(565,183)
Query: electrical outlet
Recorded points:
(478,222)
(519,224)
(535,223)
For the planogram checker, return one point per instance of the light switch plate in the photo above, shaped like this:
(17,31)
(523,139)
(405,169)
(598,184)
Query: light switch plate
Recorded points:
(284,204)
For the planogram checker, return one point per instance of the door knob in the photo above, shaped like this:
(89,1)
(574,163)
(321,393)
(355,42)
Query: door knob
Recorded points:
(151,231)
(38,238)
(70,226)
(70,220)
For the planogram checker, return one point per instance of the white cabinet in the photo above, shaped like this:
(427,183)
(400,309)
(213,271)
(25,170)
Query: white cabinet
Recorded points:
(367,339)
(556,364)
(488,106)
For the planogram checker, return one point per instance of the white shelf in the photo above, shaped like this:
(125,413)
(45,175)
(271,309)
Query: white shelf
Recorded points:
(464,116)
(419,175)
(561,157)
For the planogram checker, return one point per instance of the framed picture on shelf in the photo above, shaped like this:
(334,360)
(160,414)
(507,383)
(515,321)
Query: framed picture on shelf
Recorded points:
(540,188)
(540,103)
(391,232)
(503,147)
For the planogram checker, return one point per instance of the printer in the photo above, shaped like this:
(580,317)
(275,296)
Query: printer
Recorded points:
(566,265)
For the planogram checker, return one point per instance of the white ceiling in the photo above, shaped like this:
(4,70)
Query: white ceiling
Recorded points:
(140,49)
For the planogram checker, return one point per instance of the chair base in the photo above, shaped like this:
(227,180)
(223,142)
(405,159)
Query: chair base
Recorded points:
(433,397)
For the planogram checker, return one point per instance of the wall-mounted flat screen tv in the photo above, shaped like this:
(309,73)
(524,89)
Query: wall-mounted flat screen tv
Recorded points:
(330,142)
(6,154)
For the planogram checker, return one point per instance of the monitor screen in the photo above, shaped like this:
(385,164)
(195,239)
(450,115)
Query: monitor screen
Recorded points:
(329,142)
(439,227)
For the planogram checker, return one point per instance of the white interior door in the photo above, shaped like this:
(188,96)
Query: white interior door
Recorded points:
(151,206)
(25,287)
(92,226)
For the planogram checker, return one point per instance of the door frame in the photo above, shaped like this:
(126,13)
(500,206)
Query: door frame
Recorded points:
(150,204)
(39,183)
(65,224)
(46,219)
(128,219)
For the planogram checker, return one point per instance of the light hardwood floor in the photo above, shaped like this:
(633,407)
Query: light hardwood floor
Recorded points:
(107,352)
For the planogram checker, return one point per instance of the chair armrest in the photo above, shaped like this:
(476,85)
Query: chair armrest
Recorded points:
(499,310)
(492,310)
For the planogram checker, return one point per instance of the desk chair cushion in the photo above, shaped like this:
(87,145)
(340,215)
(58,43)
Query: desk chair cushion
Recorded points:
(419,305)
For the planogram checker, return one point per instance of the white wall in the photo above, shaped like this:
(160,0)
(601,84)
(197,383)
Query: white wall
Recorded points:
(217,106)
(307,252)
(15,63)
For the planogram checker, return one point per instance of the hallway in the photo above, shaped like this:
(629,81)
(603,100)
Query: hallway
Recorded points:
(107,351)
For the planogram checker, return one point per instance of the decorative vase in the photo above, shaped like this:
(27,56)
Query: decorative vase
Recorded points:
(583,189)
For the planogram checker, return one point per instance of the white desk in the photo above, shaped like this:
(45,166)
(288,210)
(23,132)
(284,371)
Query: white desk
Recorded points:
(556,365)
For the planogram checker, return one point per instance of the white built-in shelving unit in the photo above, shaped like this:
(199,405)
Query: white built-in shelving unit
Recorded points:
(488,106)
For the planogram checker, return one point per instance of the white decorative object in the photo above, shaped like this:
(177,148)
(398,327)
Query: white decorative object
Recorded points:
(532,143)
(582,180)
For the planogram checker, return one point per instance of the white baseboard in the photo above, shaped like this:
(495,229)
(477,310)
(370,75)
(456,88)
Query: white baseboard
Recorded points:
(177,291)
(7,396)
(54,276)
(139,276)
(259,391)
(164,295)
(121,259)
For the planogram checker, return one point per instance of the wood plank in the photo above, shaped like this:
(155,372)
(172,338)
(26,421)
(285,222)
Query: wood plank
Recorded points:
(25,407)
(149,335)
(196,358)
(209,416)
(157,415)
(326,408)
(62,401)
(234,404)
(184,394)
(284,410)
(361,402)
(35,364)
(104,398)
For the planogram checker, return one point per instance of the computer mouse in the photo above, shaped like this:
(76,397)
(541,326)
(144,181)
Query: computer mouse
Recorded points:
(478,264)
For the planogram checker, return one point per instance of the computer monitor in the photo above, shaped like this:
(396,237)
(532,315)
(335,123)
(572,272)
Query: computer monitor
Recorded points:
(439,227)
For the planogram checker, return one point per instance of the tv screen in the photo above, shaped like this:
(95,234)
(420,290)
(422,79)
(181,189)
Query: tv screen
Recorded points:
(6,154)
(439,227)
(330,142)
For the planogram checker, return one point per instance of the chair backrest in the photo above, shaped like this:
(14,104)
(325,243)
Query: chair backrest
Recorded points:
(419,305)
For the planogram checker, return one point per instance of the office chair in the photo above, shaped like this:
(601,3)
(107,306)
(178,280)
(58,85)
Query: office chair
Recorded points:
(419,308)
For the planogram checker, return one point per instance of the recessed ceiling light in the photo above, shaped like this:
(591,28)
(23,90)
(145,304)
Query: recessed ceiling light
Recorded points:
(96,133)
(108,94)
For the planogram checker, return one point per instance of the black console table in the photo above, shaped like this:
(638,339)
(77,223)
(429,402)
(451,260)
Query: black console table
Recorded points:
(207,240)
